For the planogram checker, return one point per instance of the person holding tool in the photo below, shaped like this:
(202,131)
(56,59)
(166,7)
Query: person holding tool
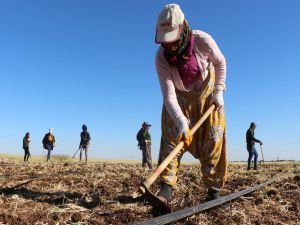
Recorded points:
(192,71)
(49,143)
(144,143)
(85,139)
(250,139)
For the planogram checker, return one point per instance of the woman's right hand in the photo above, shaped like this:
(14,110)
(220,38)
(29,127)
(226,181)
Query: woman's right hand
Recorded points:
(184,133)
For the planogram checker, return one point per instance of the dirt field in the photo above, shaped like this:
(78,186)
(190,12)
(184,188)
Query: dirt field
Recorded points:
(104,193)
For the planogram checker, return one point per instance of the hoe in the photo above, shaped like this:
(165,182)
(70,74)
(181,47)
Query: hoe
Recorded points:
(145,186)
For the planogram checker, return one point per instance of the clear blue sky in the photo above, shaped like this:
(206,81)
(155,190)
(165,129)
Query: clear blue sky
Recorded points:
(65,63)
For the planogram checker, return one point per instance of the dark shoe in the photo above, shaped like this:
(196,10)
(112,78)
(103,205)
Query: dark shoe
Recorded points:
(255,166)
(161,202)
(212,195)
(165,193)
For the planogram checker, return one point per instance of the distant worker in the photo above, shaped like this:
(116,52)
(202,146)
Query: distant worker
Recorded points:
(49,143)
(26,141)
(144,144)
(251,145)
(84,142)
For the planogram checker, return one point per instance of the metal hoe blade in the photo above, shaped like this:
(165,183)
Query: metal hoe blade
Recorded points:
(155,201)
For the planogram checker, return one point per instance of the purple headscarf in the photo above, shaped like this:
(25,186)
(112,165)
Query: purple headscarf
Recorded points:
(186,63)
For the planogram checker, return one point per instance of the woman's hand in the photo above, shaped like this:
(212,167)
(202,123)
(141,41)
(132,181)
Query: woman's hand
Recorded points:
(217,99)
(184,133)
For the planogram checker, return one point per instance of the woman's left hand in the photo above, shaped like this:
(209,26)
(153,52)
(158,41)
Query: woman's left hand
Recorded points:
(217,99)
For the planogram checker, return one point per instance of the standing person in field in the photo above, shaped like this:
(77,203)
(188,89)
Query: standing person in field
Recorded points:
(251,145)
(84,142)
(26,141)
(191,70)
(144,143)
(49,143)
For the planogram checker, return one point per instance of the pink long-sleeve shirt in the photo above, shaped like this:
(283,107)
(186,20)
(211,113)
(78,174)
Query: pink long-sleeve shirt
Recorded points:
(206,50)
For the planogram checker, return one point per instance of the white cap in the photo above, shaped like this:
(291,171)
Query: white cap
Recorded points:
(169,24)
(50,130)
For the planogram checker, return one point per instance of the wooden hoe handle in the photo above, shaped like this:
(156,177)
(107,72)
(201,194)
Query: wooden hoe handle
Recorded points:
(150,180)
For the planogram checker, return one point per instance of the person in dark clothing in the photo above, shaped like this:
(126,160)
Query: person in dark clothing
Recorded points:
(49,143)
(26,141)
(144,144)
(251,145)
(84,142)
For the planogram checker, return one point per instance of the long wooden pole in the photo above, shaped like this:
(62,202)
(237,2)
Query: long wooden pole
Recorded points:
(150,180)
(262,155)
(76,152)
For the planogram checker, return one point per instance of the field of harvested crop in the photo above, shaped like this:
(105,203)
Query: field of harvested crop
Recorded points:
(105,193)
